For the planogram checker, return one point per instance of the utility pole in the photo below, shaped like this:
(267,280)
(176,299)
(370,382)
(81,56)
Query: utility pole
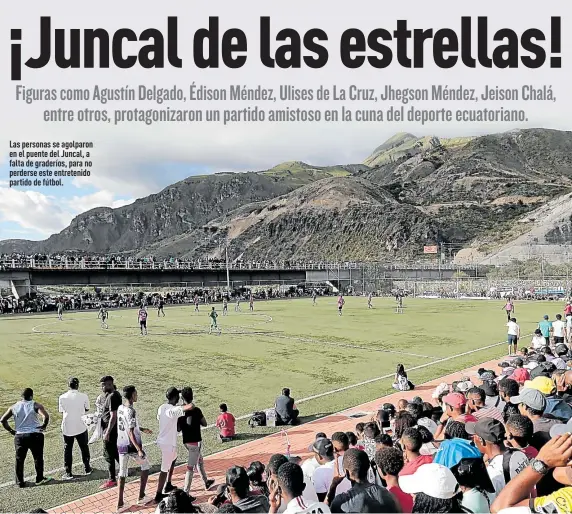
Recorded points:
(227,271)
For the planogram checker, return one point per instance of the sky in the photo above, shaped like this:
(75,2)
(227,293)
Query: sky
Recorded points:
(133,160)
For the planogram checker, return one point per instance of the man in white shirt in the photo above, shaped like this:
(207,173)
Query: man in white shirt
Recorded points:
(168,415)
(73,405)
(558,330)
(288,489)
(569,327)
(323,475)
(513,336)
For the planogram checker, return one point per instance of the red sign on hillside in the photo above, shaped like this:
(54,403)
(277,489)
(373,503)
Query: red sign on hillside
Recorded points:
(430,249)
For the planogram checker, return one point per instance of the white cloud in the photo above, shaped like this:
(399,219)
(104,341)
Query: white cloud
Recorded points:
(101,198)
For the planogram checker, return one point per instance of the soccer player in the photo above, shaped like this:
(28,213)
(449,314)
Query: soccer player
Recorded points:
(213,316)
(160,306)
(237,306)
(508,307)
(130,445)
(314,296)
(60,307)
(103,315)
(369,305)
(196,302)
(225,306)
(399,308)
(341,303)
(142,317)
(251,302)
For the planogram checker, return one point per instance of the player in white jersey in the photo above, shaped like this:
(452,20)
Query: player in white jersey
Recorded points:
(60,307)
(314,296)
(225,306)
(237,306)
(369,305)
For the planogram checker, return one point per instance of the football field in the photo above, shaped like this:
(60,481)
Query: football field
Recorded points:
(329,362)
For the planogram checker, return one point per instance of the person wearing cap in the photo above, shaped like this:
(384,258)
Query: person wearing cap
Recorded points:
(28,434)
(111,402)
(513,336)
(492,396)
(323,475)
(435,489)
(411,442)
(555,405)
(558,330)
(503,464)
(454,409)
(538,342)
(476,405)
(73,404)
(363,496)
(561,351)
(466,463)
(310,465)
(532,403)
(288,489)
(516,496)
(520,374)
(238,486)
(168,415)
(545,327)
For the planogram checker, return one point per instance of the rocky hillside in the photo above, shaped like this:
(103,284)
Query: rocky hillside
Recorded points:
(482,193)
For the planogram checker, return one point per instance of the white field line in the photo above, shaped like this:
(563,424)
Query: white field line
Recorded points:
(309,398)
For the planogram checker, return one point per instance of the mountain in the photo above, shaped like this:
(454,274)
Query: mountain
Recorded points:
(484,194)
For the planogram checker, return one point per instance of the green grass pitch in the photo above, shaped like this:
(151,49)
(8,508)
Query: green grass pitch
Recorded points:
(283,343)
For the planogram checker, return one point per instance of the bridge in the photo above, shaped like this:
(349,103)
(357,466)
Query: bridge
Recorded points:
(22,275)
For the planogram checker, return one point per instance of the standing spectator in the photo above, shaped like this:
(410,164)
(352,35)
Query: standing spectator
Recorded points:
(520,375)
(324,473)
(190,426)
(73,405)
(226,424)
(545,327)
(111,402)
(519,430)
(411,442)
(28,434)
(558,330)
(286,411)
(389,463)
(476,402)
(513,336)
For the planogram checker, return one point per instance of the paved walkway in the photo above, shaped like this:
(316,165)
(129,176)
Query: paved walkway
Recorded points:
(299,438)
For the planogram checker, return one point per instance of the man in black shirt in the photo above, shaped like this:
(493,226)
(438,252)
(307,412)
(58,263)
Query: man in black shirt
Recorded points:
(190,426)
(109,426)
(363,496)
(286,412)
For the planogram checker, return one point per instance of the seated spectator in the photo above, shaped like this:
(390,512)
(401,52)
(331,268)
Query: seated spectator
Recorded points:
(178,501)
(492,396)
(238,487)
(255,474)
(532,403)
(383,441)
(411,443)
(561,351)
(390,409)
(309,465)
(401,405)
(362,496)
(286,412)
(370,432)
(555,405)
(454,410)
(507,389)
(428,447)
(555,455)
(389,463)
(403,420)
(415,409)
(441,389)
(456,429)
(520,373)
(489,436)
(476,405)
(519,430)
(323,475)
(359,434)
(401,382)
(538,342)
(288,490)
(352,438)
(435,489)
(226,424)
(341,443)
(466,463)
(382,419)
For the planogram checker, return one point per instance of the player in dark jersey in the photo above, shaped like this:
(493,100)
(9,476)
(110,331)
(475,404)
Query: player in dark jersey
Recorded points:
(160,306)
(225,306)
(103,315)
(196,302)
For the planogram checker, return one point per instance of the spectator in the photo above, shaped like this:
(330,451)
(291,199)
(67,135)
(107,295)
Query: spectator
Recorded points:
(353,440)
(286,412)
(428,447)
(176,502)
(532,403)
(370,432)
(492,396)
(255,474)
(415,410)
(411,442)
(435,489)
(558,330)
(310,465)
(476,402)
(288,489)
(363,496)
(538,341)
(383,441)
(28,434)
(555,405)
(403,420)
(520,375)
(73,405)
(389,463)
(545,328)
(507,389)
(519,430)
(226,424)
(341,442)
(238,487)
(402,405)
(488,436)
(401,382)
(111,402)
(274,465)
(456,429)
(322,479)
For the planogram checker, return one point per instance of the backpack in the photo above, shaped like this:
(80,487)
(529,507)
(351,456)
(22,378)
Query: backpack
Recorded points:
(506,464)
(258,419)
